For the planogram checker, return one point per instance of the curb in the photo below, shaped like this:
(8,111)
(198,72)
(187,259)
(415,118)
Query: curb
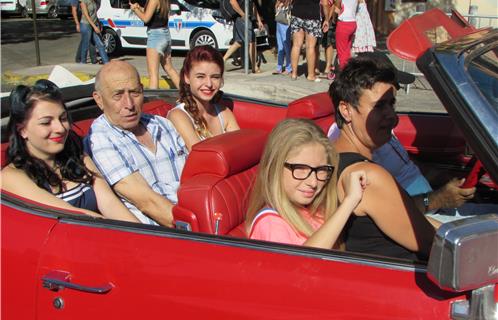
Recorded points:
(10,79)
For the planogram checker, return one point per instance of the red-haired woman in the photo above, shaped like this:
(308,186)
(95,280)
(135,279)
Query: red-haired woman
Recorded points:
(197,115)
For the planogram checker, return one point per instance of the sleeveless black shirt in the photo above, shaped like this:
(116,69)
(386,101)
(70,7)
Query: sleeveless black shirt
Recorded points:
(361,232)
(157,22)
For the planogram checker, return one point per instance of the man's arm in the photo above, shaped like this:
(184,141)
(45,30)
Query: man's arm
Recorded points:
(237,8)
(451,195)
(137,191)
(261,26)
(74,12)
(326,13)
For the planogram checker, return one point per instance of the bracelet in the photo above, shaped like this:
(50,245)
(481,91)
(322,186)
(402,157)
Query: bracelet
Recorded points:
(426,201)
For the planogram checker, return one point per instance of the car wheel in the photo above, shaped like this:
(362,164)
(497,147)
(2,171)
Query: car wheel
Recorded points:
(202,38)
(52,13)
(111,41)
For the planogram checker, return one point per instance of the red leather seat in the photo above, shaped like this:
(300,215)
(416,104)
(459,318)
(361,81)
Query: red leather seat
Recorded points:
(317,107)
(216,179)
(3,156)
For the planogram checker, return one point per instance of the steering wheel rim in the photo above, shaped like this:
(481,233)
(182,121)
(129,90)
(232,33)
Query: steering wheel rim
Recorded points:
(474,174)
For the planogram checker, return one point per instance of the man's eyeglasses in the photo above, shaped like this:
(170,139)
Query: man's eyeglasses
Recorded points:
(303,171)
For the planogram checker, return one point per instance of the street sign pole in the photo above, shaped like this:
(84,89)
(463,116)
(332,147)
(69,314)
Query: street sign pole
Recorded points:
(246,37)
(35,30)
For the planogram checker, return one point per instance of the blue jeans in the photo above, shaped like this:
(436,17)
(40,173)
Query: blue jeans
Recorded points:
(93,54)
(284,47)
(87,33)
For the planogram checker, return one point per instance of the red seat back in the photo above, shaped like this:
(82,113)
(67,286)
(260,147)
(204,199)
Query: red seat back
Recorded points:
(317,107)
(216,178)
(3,157)
(256,115)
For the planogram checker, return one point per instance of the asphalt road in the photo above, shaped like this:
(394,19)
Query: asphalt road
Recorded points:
(58,42)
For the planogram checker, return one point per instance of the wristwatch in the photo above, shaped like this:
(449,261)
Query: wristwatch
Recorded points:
(426,201)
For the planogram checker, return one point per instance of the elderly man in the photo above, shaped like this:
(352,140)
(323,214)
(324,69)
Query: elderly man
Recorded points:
(141,156)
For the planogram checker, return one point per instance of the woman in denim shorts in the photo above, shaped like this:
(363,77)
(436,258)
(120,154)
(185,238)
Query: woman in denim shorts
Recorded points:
(155,16)
(306,25)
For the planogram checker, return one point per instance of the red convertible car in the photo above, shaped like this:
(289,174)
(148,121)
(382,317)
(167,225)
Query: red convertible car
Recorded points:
(57,264)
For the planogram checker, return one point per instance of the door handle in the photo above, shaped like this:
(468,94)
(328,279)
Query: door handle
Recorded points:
(58,280)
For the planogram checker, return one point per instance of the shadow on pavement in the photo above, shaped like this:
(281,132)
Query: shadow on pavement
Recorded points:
(48,29)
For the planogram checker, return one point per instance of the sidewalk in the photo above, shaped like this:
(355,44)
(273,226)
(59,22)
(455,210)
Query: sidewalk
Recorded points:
(264,85)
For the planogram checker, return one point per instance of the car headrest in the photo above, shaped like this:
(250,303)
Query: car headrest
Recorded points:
(314,106)
(226,154)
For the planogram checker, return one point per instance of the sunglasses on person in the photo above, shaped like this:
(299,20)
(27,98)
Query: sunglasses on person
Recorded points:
(303,171)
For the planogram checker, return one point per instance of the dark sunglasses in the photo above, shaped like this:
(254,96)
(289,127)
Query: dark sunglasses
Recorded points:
(303,171)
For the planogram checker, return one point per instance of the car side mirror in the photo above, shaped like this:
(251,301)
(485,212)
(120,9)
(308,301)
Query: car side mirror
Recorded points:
(464,256)
(175,9)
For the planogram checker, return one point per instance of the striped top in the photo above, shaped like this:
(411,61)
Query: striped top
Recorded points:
(81,196)
(117,154)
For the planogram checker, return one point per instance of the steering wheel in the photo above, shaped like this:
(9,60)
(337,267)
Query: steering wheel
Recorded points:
(474,174)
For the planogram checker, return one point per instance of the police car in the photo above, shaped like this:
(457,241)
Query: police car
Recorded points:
(190,25)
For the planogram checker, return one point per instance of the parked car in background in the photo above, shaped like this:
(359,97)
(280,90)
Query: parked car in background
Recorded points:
(57,264)
(14,7)
(191,23)
(43,8)
(64,9)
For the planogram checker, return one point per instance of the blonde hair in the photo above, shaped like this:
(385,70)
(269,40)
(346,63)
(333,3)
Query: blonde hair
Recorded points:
(287,137)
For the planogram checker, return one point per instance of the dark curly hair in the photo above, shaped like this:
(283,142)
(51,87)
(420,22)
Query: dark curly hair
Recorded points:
(360,73)
(198,54)
(69,160)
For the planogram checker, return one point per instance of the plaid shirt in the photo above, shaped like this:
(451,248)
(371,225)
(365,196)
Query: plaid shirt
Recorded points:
(117,154)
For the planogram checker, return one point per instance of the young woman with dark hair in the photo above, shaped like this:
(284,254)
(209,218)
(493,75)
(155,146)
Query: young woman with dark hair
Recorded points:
(155,16)
(197,115)
(45,157)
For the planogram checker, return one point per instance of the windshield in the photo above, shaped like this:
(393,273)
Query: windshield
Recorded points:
(484,71)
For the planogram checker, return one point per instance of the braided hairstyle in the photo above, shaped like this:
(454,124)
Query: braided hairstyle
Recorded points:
(70,160)
(198,54)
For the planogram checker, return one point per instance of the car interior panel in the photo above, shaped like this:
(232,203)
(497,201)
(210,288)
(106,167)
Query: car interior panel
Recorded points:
(442,140)
(216,180)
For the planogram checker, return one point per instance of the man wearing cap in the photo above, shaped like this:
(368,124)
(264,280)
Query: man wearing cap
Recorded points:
(395,159)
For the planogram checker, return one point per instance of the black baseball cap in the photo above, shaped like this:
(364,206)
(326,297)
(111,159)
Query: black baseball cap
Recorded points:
(383,60)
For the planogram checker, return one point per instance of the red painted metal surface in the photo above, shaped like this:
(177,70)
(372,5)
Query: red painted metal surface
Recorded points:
(424,31)
(157,275)
(23,238)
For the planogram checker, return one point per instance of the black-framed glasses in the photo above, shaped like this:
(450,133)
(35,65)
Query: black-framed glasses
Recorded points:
(303,171)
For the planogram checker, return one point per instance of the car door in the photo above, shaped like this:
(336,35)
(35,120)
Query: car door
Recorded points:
(23,237)
(180,23)
(108,270)
(127,25)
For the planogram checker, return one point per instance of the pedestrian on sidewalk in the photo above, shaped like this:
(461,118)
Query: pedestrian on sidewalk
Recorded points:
(306,27)
(282,18)
(238,31)
(346,27)
(328,41)
(90,29)
(155,16)
(364,37)
(76,13)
